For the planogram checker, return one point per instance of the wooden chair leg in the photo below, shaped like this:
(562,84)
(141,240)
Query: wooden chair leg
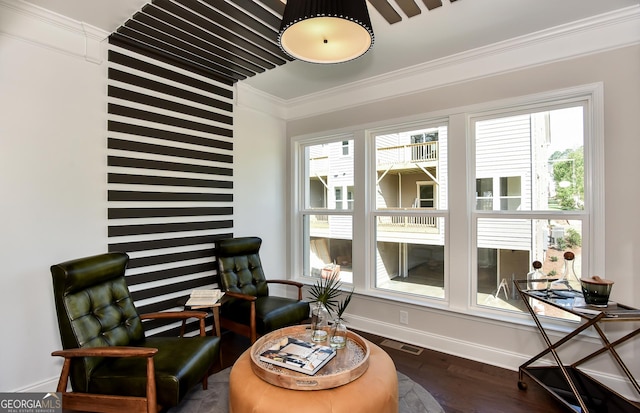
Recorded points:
(182,328)
(252,323)
(152,406)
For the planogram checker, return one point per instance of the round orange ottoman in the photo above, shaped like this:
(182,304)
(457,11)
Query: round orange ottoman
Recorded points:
(376,391)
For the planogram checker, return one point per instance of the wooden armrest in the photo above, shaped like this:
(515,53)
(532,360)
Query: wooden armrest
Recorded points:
(299,285)
(240,296)
(115,351)
(181,315)
(174,314)
(289,282)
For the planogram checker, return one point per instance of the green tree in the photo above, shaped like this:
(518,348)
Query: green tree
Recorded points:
(573,238)
(568,175)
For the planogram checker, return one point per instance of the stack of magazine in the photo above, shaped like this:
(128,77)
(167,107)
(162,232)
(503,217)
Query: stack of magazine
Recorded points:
(204,298)
(298,355)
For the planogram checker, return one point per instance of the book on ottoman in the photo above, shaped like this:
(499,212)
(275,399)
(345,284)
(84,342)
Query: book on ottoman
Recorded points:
(298,355)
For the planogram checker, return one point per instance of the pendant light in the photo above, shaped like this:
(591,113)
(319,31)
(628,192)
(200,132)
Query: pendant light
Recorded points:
(326,31)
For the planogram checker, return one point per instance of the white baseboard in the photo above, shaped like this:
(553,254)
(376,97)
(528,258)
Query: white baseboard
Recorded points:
(473,351)
(45,386)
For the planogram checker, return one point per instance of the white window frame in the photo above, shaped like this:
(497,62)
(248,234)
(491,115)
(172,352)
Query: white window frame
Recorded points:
(372,213)
(592,216)
(299,202)
(460,214)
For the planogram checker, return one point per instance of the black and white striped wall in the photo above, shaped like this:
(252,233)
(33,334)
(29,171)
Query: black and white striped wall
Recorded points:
(170,173)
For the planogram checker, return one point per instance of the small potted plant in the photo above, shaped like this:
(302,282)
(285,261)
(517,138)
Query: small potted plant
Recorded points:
(324,293)
(338,330)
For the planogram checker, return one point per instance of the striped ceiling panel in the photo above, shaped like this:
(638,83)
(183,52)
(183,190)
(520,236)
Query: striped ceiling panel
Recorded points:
(230,40)
(227,41)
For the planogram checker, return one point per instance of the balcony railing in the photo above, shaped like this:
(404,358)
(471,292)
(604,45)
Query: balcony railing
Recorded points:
(386,222)
(415,152)
(401,154)
(319,221)
(319,165)
(406,223)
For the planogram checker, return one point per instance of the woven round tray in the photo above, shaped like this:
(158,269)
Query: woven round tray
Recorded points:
(348,364)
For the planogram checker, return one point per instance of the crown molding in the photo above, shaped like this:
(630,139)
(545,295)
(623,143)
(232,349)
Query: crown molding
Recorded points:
(596,34)
(33,24)
(255,99)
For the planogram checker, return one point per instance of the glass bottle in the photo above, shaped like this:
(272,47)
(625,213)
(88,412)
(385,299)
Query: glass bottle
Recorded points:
(569,272)
(536,280)
(338,334)
(319,322)
(569,279)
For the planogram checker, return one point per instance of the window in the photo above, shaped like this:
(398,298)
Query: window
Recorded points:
(484,194)
(410,236)
(450,221)
(350,197)
(535,158)
(510,195)
(508,188)
(345,147)
(327,224)
(426,195)
(342,203)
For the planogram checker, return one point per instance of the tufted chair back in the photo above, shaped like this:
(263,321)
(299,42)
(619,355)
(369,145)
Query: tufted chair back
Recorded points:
(94,309)
(240,268)
(247,308)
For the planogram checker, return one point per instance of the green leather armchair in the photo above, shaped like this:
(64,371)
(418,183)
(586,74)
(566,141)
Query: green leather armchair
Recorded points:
(247,308)
(112,365)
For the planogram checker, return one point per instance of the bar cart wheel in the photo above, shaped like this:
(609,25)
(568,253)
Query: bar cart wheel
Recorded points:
(522,385)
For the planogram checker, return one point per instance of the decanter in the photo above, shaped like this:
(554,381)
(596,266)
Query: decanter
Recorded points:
(569,278)
(536,280)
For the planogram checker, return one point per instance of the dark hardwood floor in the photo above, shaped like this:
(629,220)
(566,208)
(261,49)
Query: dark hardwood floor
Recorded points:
(460,385)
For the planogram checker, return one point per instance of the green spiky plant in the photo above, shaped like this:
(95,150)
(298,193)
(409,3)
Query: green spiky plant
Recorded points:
(326,291)
(338,333)
(342,306)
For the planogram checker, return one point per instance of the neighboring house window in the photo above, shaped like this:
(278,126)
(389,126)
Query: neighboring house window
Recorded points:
(426,195)
(339,204)
(501,193)
(484,194)
(345,147)
(510,193)
(451,221)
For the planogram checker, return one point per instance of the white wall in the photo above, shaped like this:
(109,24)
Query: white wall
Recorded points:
(259,168)
(52,185)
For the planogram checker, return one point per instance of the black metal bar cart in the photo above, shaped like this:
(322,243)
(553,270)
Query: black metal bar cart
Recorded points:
(574,388)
